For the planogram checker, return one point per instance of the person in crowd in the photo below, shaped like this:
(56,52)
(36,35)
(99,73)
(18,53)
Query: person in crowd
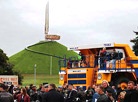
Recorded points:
(137,87)
(106,87)
(16,92)
(94,87)
(60,90)
(11,89)
(102,57)
(81,95)
(113,87)
(40,93)
(23,96)
(95,95)
(52,95)
(30,91)
(65,90)
(119,89)
(34,94)
(121,96)
(7,88)
(89,93)
(27,89)
(44,89)
(102,96)
(110,96)
(40,86)
(131,93)
(113,58)
(71,94)
(4,95)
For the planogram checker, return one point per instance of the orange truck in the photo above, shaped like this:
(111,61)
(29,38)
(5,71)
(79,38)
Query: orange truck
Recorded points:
(93,68)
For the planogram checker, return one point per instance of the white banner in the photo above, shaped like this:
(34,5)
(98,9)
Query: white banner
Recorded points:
(76,70)
(9,79)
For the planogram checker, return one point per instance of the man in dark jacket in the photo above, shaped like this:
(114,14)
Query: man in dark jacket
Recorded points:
(81,94)
(52,95)
(34,94)
(5,96)
(71,94)
(131,93)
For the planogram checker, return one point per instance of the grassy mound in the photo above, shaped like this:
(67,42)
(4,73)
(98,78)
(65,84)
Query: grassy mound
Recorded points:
(45,55)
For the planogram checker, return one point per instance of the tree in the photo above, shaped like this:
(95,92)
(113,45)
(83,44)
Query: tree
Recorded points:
(135,46)
(6,68)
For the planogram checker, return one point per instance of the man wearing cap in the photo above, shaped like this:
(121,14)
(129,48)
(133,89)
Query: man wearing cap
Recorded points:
(5,96)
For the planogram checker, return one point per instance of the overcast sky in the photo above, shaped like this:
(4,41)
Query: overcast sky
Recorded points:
(78,22)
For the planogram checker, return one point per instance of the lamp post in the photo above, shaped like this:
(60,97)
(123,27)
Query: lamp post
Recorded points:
(50,65)
(35,74)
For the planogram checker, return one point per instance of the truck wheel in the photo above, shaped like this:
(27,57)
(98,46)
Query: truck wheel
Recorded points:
(122,82)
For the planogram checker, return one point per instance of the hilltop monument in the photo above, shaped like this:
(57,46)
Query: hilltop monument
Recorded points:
(49,36)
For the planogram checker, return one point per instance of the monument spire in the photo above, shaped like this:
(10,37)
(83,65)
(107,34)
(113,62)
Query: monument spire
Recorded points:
(47,35)
(47,19)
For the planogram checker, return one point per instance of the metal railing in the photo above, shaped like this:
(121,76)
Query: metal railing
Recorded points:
(102,63)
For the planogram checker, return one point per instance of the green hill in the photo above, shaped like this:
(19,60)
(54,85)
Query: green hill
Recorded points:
(45,55)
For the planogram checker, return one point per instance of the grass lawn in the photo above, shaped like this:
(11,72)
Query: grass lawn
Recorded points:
(40,78)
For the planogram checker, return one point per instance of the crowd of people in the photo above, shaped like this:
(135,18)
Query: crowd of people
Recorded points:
(69,93)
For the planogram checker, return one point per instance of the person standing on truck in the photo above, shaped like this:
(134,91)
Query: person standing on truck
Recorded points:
(96,57)
(108,58)
(83,57)
(113,58)
(102,57)
(83,60)
(5,96)
(79,59)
